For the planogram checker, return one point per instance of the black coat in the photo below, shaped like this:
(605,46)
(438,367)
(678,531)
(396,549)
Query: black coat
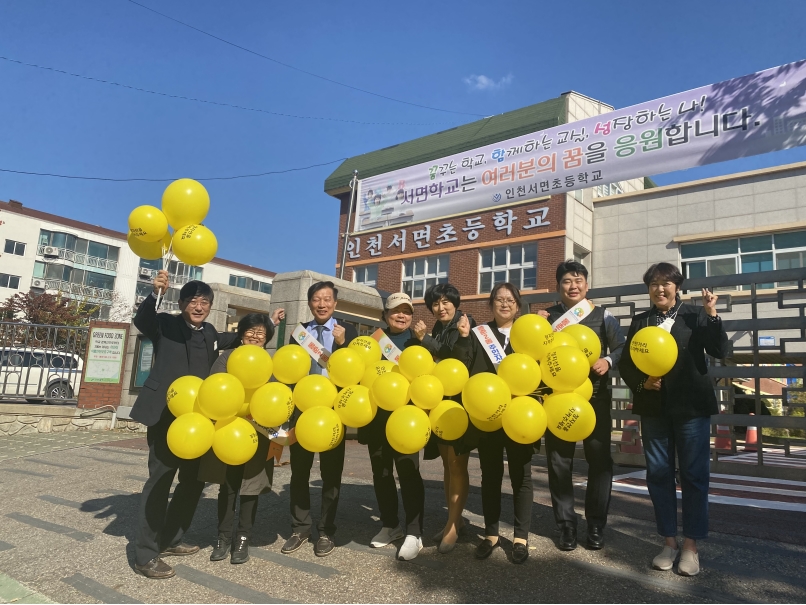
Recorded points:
(171,337)
(443,338)
(686,391)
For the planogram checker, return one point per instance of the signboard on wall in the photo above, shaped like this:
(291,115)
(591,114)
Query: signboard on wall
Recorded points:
(750,115)
(105,355)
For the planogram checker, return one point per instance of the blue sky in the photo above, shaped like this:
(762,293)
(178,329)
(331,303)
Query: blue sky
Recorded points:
(472,57)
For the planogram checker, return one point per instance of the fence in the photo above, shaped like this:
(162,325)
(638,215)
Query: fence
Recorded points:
(749,306)
(79,257)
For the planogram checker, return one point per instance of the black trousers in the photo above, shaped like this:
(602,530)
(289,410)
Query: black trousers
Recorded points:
(331,465)
(383,458)
(519,461)
(227,501)
(161,525)
(560,455)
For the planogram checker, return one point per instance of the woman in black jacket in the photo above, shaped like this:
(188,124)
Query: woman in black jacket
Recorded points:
(676,411)
(505,302)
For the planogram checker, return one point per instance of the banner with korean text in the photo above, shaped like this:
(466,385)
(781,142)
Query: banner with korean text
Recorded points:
(750,115)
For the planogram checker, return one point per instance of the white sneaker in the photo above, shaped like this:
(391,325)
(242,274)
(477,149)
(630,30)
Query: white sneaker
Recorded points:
(386,536)
(665,560)
(411,548)
(689,564)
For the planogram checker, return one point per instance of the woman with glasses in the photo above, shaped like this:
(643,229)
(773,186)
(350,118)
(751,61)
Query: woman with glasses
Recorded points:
(250,479)
(505,303)
(676,411)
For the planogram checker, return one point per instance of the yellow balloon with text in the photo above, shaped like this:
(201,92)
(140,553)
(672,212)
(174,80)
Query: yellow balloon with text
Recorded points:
(314,391)
(408,429)
(354,406)
(250,364)
(185,202)
(449,420)
(556,339)
(653,351)
(487,426)
(377,369)
(234,441)
(195,245)
(569,416)
(182,395)
(486,396)
(291,364)
(520,372)
(390,391)
(148,224)
(527,333)
(587,340)
(453,375)
(426,391)
(221,396)
(564,368)
(272,404)
(319,429)
(524,420)
(190,436)
(149,250)
(368,348)
(345,367)
(415,361)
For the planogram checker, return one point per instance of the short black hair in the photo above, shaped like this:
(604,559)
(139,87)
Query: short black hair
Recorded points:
(512,290)
(256,320)
(571,266)
(321,285)
(195,288)
(437,291)
(664,271)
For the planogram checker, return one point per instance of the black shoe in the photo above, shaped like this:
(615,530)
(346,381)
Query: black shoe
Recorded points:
(324,546)
(180,550)
(595,537)
(486,548)
(294,543)
(240,551)
(221,549)
(156,569)
(520,552)
(568,538)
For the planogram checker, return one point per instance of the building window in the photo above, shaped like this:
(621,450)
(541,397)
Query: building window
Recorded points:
(73,275)
(9,281)
(745,255)
(17,248)
(606,190)
(367,275)
(78,245)
(422,273)
(514,264)
(180,269)
(240,281)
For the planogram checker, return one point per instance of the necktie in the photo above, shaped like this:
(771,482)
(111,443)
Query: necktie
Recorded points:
(315,367)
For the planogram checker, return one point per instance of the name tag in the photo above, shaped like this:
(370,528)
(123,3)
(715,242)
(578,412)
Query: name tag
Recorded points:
(314,348)
(388,348)
(667,324)
(490,343)
(574,315)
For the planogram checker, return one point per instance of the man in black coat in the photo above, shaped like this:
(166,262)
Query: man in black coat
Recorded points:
(183,345)
(322,299)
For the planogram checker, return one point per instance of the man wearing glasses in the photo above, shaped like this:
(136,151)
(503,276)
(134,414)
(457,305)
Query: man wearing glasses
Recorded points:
(183,345)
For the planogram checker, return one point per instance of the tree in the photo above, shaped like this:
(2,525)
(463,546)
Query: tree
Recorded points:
(47,309)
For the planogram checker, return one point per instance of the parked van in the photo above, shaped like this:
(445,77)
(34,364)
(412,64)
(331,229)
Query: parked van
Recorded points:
(39,374)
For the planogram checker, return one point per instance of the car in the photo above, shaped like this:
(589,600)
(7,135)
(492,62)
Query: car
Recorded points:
(39,374)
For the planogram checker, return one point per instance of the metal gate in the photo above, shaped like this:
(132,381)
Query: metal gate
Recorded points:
(41,363)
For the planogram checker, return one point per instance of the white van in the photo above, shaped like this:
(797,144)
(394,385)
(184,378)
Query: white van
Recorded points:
(39,374)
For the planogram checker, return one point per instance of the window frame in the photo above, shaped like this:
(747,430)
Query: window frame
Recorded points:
(507,267)
(438,277)
(15,246)
(372,283)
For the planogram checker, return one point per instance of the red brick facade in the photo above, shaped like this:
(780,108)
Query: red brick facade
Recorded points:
(93,395)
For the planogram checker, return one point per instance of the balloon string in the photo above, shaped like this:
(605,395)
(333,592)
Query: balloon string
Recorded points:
(165,260)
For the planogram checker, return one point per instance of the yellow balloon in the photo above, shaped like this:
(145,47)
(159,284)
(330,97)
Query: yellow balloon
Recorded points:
(587,340)
(527,333)
(148,224)
(190,435)
(415,361)
(448,420)
(564,368)
(345,367)
(291,364)
(185,202)
(314,391)
(368,347)
(486,396)
(520,372)
(195,245)
(235,441)
(272,404)
(524,420)
(355,407)
(244,411)
(552,340)
(426,391)
(377,369)
(149,250)
(182,395)
(453,375)
(408,429)
(390,391)
(319,429)
(569,417)
(585,390)
(488,426)
(221,396)
(251,365)
(653,351)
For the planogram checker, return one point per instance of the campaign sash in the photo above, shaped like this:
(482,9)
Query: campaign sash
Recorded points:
(388,348)
(574,315)
(314,348)
(490,344)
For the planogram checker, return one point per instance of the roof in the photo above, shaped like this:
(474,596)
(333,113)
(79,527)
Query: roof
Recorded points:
(455,140)
(17,208)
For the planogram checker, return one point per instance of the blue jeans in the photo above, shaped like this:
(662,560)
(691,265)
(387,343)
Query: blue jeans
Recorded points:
(690,438)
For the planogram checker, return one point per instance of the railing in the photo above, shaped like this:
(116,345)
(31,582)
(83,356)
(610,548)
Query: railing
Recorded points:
(782,425)
(175,280)
(82,259)
(92,294)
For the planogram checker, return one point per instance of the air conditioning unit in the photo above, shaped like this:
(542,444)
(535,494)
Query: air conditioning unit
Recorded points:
(139,299)
(38,283)
(144,272)
(51,251)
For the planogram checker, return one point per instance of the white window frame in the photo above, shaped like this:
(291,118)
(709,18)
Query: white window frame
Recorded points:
(364,270)
(9,277)
(608,189)
(16,247)
(509,266)
(435,271)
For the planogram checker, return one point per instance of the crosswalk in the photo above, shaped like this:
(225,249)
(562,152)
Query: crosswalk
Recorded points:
(796,458)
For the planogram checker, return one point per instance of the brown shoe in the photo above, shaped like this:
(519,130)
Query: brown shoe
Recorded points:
(156,569)
(180,550)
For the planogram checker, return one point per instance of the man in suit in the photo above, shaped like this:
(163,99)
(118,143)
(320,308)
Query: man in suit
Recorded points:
(322,300)
(183,345)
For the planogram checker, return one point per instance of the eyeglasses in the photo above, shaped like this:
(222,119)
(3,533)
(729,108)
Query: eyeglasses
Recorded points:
(199,301)
(505,302)
(255,334)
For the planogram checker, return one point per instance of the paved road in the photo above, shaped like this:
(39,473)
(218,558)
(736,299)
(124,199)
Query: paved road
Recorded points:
(69,504)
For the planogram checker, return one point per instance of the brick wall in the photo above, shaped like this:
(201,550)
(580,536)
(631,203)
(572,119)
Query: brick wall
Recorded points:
(93,395)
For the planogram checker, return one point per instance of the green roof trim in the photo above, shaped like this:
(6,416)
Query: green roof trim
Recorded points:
(448,142)
(649,183)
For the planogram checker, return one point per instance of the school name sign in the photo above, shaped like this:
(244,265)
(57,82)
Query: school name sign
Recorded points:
(750,115)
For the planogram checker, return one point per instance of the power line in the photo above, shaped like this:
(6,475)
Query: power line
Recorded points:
(309,73)
(221,104)
(153,180)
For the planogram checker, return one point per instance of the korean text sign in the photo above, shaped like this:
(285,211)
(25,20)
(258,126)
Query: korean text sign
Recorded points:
(750,115)
(105,355)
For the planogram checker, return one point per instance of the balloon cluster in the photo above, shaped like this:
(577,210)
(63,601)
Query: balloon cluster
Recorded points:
(185,204)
